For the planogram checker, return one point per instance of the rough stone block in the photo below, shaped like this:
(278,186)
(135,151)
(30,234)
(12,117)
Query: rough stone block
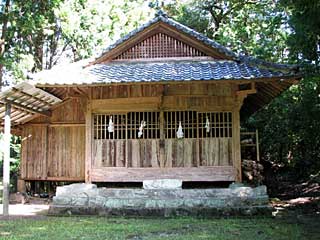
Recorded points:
(162,184)
(75,188)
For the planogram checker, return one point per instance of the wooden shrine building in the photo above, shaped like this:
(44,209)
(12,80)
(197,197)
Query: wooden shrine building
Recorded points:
(162,102)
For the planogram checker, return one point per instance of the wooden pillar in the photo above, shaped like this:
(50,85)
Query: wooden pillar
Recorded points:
(88,159)
(162,143)
(6,162)
(236,144)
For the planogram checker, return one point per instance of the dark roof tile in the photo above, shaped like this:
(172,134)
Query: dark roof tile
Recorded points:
(159,71)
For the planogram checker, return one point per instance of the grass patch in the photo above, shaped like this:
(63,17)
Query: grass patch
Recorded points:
(153,228)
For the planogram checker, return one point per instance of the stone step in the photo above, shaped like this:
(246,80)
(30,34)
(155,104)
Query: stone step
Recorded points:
(87,196)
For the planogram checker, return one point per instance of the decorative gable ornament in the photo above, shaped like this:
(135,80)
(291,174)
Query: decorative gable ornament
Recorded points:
(180,131)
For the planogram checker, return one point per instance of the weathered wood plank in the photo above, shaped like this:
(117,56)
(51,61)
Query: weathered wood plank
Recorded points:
(221,173)
(236,143)
(88,161)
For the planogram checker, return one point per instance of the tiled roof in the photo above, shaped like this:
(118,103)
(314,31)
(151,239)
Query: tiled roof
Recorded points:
(162,17)
(155,72)
(239,68)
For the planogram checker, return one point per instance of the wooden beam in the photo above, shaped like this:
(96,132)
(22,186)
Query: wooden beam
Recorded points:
(61,179)
(246,92)
(50,102)
(58,124)
(46,113)
(6,160)
(194,174)
(222,81)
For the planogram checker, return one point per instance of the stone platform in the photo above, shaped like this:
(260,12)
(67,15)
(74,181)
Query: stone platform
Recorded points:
(87,199)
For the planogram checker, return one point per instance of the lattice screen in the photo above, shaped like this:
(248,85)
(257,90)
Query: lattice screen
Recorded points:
(215,125)
(126,126)
(160,45)
(146,125)
(151,130)
(188,121)
(101,124)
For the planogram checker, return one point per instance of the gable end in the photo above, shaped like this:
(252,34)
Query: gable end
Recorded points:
(160,45)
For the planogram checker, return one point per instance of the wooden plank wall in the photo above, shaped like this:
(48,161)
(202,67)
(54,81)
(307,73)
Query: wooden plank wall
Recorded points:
(66,134)
(54,148)
(184,154)
(143,153)
(33,152)
(178,153)
(66,152)
(109,153)
(157,90)
(216,152)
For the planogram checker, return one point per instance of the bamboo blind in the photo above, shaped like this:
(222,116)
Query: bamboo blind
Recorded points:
(160,45)
(194,125)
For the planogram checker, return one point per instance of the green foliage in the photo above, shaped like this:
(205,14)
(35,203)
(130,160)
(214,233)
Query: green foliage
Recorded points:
(255,28)
(89,26)
(280,31)
(289,128)
(41,34)
(304,41)
(15,146)
(156,228)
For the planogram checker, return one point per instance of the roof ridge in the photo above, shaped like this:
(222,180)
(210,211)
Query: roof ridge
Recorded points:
(168,61)
(267,64)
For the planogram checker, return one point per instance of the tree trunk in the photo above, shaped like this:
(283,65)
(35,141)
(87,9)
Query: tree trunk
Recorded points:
(3,39)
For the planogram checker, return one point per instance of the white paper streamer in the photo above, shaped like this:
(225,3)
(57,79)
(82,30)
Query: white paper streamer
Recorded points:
(140,133)
(110,126)
(207,125)
(180,131)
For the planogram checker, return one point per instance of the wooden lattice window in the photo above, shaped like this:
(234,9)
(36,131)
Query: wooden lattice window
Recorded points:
(146,125)
(101,123)
(188,120)
(127,126)
(150,125)
(215,124)
(160,45)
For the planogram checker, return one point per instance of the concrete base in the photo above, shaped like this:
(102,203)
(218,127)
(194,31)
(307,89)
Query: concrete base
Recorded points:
(81,199)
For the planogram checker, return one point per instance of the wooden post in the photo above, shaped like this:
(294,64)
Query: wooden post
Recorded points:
(257,146)
(162,143)
(6,162)
(88,161)
(236,144)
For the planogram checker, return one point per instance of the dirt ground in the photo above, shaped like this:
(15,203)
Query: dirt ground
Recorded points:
(26,211)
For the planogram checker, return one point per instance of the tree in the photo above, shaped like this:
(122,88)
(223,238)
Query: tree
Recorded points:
(4,18)
(250,27)
(89,26)
(304,41)
(280,31)
(40,34)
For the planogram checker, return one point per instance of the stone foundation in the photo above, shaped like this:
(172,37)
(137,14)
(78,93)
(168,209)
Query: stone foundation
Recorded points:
(79,199)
